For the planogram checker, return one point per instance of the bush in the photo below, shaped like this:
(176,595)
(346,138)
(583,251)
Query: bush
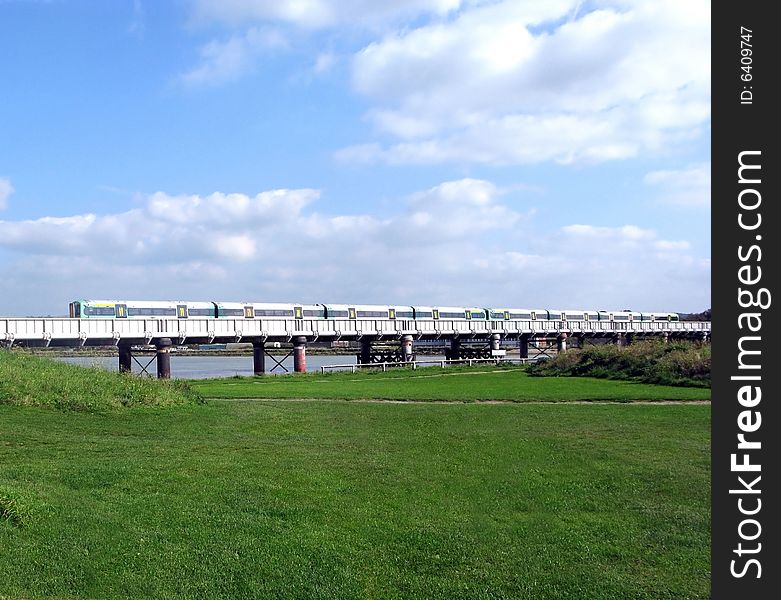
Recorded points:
(677,363)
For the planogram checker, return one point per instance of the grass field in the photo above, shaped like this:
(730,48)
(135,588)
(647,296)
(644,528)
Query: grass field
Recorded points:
(276,499)
(454,383)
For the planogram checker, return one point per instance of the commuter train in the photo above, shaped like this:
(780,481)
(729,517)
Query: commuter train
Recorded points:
(127,309)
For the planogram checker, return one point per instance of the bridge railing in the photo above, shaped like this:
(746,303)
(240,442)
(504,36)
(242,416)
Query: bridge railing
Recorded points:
(238,329)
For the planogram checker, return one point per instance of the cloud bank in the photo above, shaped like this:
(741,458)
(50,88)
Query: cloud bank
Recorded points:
(460,242)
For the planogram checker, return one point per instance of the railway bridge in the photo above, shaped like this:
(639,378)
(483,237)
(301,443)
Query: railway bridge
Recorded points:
(163,334)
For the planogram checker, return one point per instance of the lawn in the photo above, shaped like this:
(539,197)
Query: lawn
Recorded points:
(276,499)
(464,384)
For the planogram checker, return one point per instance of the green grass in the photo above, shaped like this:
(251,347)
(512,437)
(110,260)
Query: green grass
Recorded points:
(275,499)
(454,383)
(26,379)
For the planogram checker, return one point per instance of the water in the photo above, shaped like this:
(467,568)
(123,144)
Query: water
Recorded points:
(203,367)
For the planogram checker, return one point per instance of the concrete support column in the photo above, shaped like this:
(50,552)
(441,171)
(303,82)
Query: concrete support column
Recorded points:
(620,339)
(629,338)
(299,354)
(125,359)
(666,337)
(406,348)
(455,349)
(561,342)
(164,358)
(496,341)
(523,345)
(259,358)
(365,357)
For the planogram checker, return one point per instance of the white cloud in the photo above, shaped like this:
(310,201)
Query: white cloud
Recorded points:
(523,82)
(316,14)
(228,60)
(459,242)
(686,187)
(6,189)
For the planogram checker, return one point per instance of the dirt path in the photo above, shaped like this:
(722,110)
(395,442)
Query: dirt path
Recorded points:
(536,402)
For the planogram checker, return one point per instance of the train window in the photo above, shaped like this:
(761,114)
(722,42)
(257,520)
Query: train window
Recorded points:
(249,312)
(98,311)
(75,310)
(151,312)
(314,313)
(181,309)
(200,312)
(409,315)
(273,312)
(521,315)
(450,315)
(231,312)
(372,313)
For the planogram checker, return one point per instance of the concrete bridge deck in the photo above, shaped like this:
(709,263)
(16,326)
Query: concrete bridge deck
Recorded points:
(165,333)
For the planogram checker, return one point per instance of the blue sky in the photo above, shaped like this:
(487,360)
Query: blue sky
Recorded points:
(524,153)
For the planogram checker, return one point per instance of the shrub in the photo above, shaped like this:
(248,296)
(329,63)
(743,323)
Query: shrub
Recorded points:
(677,363)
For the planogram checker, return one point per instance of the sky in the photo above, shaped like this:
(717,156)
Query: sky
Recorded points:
(510,153)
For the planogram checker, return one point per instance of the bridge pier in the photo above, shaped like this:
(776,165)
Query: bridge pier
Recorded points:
(406,348)
(523,345)
(496,342)
(164,358)
(454,352)
(299,354)
(125,358)
(561,342)
(259,358)
(619,339)
(365,357)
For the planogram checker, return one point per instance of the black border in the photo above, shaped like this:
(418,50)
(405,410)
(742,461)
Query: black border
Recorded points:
(738,127)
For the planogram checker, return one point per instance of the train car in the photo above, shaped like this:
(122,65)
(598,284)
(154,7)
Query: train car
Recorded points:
(664,317)
(459,313)
(527,314)
(268,310)
(579,315)
(362,311)
(140,309)
(401,312)
(420,313)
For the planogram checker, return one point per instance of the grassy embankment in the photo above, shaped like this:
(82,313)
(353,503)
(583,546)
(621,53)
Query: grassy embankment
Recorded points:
(36,381)
(463,384)
(676,363)
(353,500)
